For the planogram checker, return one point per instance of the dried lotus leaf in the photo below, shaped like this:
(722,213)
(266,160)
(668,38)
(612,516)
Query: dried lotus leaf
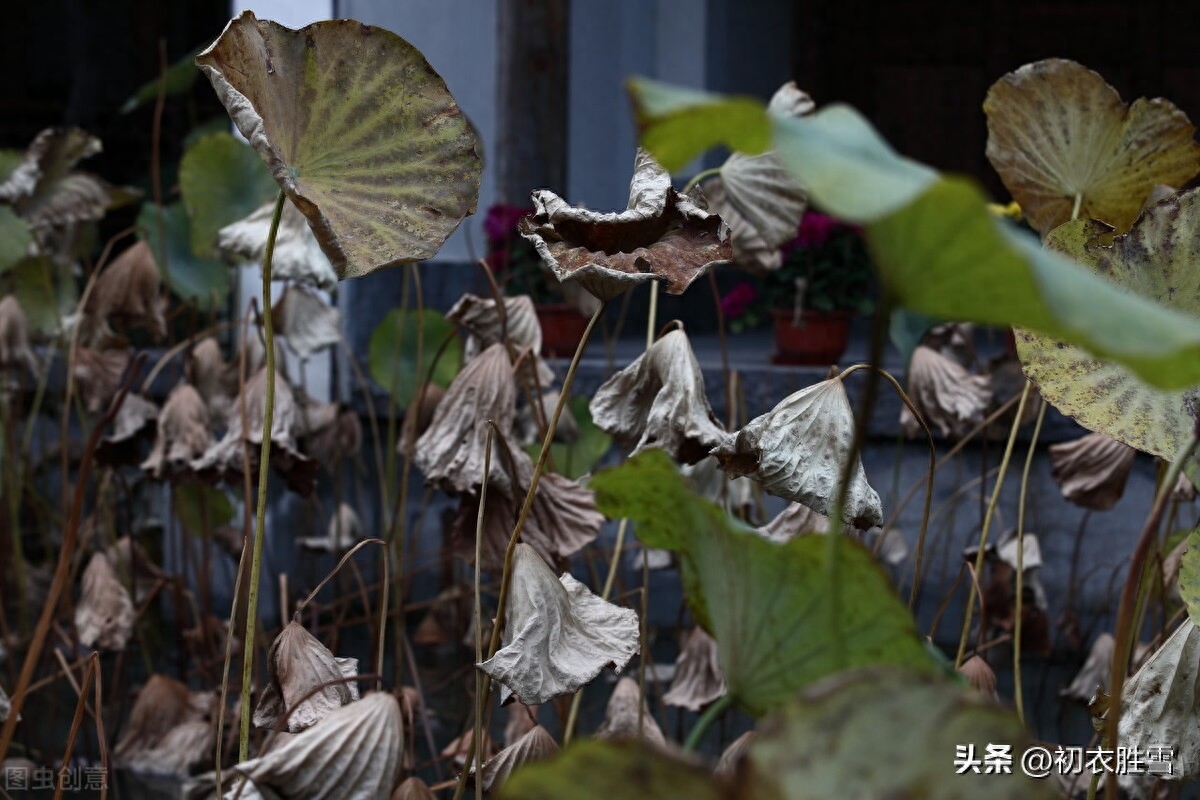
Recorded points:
(1092,470)
(306,322)
(104,614)
(296,664)
(949,398)
(698,680)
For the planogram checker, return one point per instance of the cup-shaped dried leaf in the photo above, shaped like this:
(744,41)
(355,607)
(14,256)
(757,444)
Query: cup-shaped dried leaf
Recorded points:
(162,705)
(1062,139)
(306,321)
(627,716)
(750,251)
(950,399)
(557,634)
(296,664)
(98,374)
(214,379)
(520,325)
(343,533)
(1160,703)
(14,336)
(797,451)
(451,452)
(359,131)
(413,789)
(661,235)
(1091,471)
(128,292)
(183,747)
(136,419)
(104,614)
(659,401)
(793,521)
(698,679)
(562,520)
(183,433)
(353,752)
(297,256)
(1095,673)
(224,460)
(536,745)
(980,675)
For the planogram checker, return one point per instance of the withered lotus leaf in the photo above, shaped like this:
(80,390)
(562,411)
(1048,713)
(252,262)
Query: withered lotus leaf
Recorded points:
(536,745)
(793,521)
(727,764)
(98,374)
(343,532)
(104,614)
(1155,261)
(214,379)
(359,131)
(183,433)
(980,675)
(162,705)
(1057,131)
(520,325)
(297,256)
(460,747)
(698,679)
(735,495)
(413,788)
(797,450)
(662,235)
(296,664)
(626,706)
(1095,673)
(557,634)
(1092,470)
(183,747)
(950,399)
(14,336)
(5,705)
(306,321)
(354,752)
(659,401)
(135,417)
(451,452)
(521,720)
(128,292)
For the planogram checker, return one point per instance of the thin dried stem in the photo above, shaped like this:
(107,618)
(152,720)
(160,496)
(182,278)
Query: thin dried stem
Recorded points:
(1037,431)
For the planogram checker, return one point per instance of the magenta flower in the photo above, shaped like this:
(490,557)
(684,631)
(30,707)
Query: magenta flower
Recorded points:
(734,304)
(500,224)
(814,231)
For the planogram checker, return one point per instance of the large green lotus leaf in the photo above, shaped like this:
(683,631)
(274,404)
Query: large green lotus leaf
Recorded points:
(612,770)
(888,733)
(15,238)
(770,606)
(1056,131)
(200,281)
(1156,259)
(359,131)
(392,352)
(222,180)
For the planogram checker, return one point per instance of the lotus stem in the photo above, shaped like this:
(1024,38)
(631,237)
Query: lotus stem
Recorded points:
(710,715)
(478,609)
(987,524)
(264,473)
(1037,430)
(700,177)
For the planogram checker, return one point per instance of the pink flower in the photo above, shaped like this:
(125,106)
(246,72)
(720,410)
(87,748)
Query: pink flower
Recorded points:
(814,231)
(500,224)
(734,304)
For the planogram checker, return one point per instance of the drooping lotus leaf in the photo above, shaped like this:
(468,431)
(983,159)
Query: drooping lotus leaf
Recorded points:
(731,574)
(536,745)
(358,130)
(222,181)
(628,717)
(1092,470)
(698,680)
(888,733)
(1095,672)
(1060,137)
(183,434)
(104,614)
(297,665)
(1154,260)
(306,321)
(949,397)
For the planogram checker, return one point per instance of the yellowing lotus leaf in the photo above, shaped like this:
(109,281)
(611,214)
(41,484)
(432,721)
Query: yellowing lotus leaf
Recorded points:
(1057,131)
(1155,260)
(359,131)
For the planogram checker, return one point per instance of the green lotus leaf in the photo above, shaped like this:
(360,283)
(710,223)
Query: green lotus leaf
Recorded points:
(200,508)
(200,281)
(1155,260)
(803,628)
(392,353)
(178,79)
(46,291)
(15,238)
(1059,135)
(359,131)
(575,459)
(222,180)
(889,733)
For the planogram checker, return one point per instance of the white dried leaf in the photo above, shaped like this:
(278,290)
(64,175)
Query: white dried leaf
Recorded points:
(1095,672)
(621,716)
(104,614)
(296,664)
(750,250)
(557,634)
(765,195)
(183,433)
(297,256)
(352,753)
(1031,558)
(306,321)
(698,678)
(790,101)
(980,675)
(183,747)
(950,399)
(1184,491)
(214,379)
(1160,703)
(794,520)
(135,415)
(521,720)
(797,451)
(343,533)
(478,315)
(659,401)
(98,375)
(451,452)
(526,429)
(536,745)
(1092,470)
(893,549)
(162,705)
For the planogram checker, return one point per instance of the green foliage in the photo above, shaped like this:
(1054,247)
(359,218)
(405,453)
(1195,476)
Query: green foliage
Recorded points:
(199,281)
(222,180)
(200,508)
(392,353)
(178,79)
(938,250)
(46,291)
(580,457)
(1189,576)
(15,238)
(770,607)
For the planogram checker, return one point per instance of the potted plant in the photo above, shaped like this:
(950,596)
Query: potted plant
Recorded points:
(825,279)
(517,267)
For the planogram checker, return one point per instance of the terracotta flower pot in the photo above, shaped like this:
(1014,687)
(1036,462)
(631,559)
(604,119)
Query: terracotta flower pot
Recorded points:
(562,328)
(821,340)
